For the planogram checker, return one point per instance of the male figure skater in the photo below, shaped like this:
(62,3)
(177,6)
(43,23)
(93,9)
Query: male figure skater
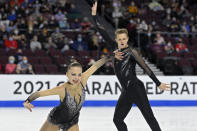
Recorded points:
(133,90)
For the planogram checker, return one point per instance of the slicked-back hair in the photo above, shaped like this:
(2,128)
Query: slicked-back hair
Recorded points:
(74,64)
(121,31)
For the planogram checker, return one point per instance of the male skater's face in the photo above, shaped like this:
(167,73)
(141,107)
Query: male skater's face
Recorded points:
(122,40)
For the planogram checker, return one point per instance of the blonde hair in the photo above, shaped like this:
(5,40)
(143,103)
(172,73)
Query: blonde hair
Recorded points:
(74,64)
(121,31)
(11,58)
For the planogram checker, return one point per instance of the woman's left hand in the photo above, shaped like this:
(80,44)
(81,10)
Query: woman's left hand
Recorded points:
(28,105)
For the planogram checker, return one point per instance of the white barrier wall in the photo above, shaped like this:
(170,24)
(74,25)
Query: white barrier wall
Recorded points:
(99,88)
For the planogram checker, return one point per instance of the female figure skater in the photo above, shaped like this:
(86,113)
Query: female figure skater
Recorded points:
(133,91)
(72,95)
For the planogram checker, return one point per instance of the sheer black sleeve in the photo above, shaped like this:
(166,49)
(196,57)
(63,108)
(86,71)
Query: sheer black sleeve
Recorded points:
(143,65)
(111,44)
(32,97)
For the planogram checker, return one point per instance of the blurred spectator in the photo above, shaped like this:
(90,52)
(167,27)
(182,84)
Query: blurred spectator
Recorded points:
(182,12)
(31,22)
(12,3)
(67,6)
(149,34)
(143,26)
(21,13)
(194,28)
(75,24)
(116,4)
(142,10)
(191,21)
(10,27)
(10,68)
(105,51)
(10,43)
(73,9)
(62,2)
(59,16)
(116,16)
(12,16)
(133,9)
(185,27)
(23,42)
(35,44)
(159,40)
(167,21)
(16,35)
(79,44)
(168,11)
(52,2)
(155,26)
(181,47)
(169,48)
(29,35)
(174,27)
(102,10)
(19,55)
(150,28)
(37,6)
(49,44)
(3,34)
(52,22)
(24,67)
(63,24)
(86,24)
(94,45)
(43,35)
(57,35)
(131,26)
(66,45)
(155,6)
(43,25)
(22,24)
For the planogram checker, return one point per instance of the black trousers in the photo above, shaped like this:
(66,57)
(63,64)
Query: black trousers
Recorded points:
(134,94)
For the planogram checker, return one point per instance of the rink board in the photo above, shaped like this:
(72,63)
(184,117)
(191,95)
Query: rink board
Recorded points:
(100,90)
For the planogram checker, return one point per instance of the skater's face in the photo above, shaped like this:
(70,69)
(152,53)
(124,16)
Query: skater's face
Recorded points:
(122,40)
(74,75)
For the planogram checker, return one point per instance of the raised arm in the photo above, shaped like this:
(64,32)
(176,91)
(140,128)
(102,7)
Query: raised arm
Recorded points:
(35,95)
(110,43)
(93,68)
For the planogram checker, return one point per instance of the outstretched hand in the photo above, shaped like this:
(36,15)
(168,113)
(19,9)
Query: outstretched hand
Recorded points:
(118,54)
(164,86)
(28,105)
(94,8)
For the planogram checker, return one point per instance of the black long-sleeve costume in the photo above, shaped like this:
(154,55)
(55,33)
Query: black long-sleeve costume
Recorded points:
(133,91)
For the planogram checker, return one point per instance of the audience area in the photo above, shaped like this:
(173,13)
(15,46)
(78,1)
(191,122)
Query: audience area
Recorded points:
(45,36)
(164,30)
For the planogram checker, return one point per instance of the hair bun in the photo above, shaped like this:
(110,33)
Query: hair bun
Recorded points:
(73,61)
(74,64)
